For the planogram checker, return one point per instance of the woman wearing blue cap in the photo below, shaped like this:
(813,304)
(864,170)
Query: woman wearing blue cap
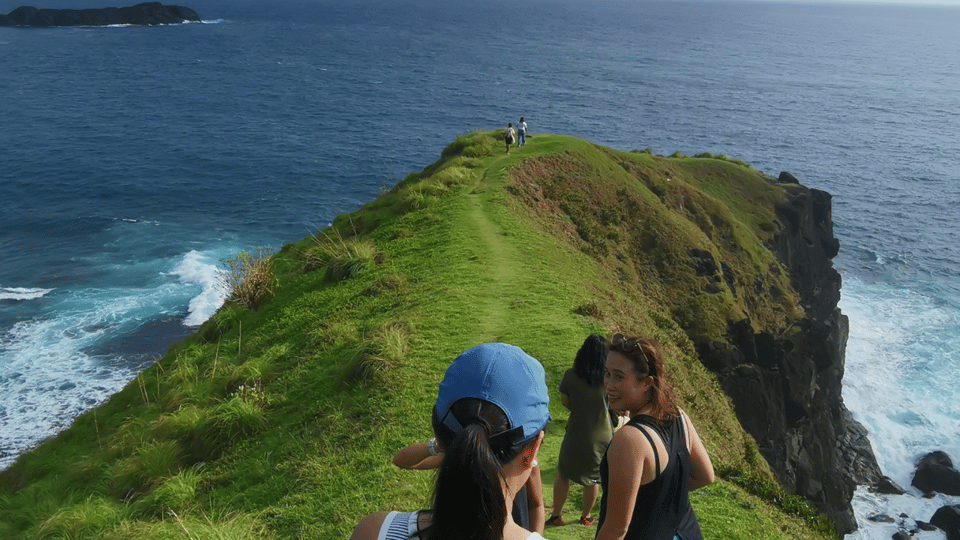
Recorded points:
(491,410)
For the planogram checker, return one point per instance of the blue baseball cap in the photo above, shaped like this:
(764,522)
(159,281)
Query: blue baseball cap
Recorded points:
(503,375)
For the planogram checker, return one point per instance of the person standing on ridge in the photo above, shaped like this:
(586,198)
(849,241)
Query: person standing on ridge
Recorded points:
(653,461)
(521,132)
(588,430)
(509,136)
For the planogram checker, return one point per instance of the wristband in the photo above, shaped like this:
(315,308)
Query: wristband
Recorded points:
(432,446)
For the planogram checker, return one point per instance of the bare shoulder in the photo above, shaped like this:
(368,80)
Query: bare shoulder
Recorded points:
(369,526)
(628,442)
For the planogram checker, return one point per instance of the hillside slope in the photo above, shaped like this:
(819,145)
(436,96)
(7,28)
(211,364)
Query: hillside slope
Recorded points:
(278,419)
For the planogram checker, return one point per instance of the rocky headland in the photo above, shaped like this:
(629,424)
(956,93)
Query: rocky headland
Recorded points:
(787,388)
(145,14)
(317,380)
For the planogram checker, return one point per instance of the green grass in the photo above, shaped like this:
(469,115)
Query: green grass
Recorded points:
(279,417)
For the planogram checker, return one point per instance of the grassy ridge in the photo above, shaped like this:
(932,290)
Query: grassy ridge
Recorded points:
(279,417)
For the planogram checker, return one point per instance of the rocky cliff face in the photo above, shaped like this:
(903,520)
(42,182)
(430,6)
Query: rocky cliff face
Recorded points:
(149,13)
(787,388)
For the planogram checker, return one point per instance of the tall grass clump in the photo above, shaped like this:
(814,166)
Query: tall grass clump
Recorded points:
(151,464)
(342,258)
(175,493)
(476,144)
(248,279)
(82,520)
(238,418)
(380,352)
(235,526)
(417,197)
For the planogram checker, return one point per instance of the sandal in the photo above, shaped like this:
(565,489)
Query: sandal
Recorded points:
(555,521)
(586,521)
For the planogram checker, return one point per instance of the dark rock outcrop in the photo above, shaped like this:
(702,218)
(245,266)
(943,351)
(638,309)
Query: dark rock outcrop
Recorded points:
(886,486)
(947,519)
(787,389)
(935,473)
(146,14)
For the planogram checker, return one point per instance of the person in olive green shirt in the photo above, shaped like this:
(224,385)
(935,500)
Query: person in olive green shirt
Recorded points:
(588,430)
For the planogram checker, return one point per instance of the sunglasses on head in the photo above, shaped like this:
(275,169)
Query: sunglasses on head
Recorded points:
(624,344)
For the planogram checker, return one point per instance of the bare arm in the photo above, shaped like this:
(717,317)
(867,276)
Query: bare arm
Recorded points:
(625,456)
(701,468)
(416,456)
(369,527)
(535,501)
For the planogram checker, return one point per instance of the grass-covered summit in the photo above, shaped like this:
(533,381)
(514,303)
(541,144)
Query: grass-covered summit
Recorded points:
(279,417)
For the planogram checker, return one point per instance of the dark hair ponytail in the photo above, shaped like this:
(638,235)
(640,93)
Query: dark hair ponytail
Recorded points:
(589,361)
(468,501)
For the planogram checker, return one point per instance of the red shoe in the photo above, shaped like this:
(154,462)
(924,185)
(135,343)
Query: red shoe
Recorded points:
(586,521)
(555,521)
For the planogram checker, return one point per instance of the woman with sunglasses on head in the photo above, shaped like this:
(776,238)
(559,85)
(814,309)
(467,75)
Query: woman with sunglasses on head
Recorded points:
(655,459)
(491,410)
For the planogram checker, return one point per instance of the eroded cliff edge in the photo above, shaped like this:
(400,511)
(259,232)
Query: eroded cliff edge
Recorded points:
(742,263)
(787,390)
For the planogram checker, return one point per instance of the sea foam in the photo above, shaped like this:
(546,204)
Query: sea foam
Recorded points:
(196,268)
(21,293)
(901,361)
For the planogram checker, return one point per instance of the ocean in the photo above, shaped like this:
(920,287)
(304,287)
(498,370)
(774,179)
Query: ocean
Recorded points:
(133,160)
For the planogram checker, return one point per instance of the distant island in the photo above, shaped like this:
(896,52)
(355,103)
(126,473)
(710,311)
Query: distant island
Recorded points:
(145,14)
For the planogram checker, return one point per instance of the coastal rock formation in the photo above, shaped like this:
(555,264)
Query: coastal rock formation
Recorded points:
(935,473)
(947,518)
(787,388)
(146,14)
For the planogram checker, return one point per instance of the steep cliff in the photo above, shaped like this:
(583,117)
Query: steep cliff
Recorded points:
(787,388)
(769,328)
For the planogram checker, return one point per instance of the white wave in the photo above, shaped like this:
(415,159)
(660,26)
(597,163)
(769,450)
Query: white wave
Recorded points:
(46,380)
(902,353)
(913,506)
(195,268)
(21,293)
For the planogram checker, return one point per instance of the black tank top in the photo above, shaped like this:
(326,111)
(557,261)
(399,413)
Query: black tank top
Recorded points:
(662,509)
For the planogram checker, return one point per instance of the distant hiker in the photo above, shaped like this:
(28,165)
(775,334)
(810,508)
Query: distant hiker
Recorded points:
(521,132)
(588,430)
(509,136)
(492,407)
(653,461)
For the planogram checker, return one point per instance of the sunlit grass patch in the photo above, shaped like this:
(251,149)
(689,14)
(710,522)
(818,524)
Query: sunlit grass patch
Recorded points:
(148,466)
(342,258)
(82,520)
(175,493)
(236,526)
(378,353)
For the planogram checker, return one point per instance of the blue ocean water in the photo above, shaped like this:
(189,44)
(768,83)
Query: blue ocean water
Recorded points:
(132,160)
